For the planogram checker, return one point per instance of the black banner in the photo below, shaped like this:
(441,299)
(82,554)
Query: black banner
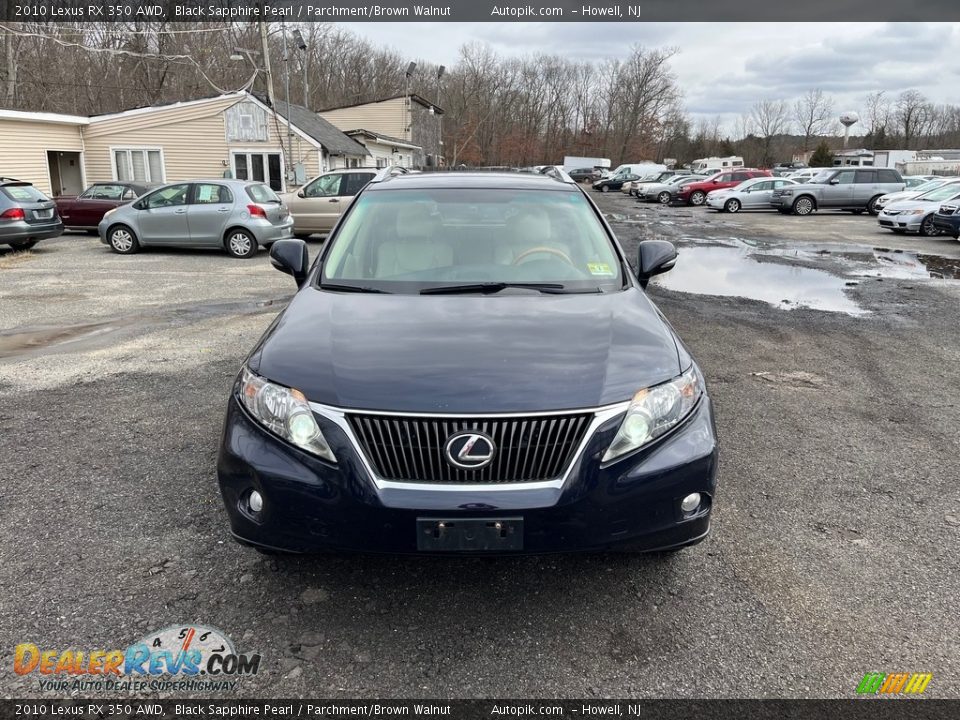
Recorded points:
(478,10)
(862,709)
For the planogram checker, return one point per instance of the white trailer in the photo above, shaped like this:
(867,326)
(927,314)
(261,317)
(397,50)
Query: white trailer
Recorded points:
(891,158)
(930,167)
(572,162)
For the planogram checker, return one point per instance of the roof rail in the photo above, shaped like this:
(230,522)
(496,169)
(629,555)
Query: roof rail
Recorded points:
(388,172)
(558,173)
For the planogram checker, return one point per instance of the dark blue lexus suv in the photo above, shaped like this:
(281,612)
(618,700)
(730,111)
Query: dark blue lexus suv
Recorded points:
(471,366)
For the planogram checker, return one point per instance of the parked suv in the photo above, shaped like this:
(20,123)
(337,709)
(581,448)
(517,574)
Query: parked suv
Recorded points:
(696,193)
(854,189)
(317,206)
(471,366)
(26,215)
(584,174)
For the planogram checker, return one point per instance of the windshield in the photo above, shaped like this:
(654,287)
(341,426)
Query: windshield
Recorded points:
(944,192)
(926,186)
(408,240)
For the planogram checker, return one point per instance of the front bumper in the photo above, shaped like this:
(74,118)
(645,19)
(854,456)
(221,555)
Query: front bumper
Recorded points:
(716,203)
(311,505)
(22,230)
(909,223)
(948,224)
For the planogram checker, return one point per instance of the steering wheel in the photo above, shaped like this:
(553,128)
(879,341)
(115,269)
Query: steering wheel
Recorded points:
(543,249)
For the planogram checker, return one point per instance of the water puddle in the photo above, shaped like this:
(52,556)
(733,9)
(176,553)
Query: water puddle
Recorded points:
(738,272)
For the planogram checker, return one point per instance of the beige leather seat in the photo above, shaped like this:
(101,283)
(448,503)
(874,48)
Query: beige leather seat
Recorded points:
(528,229)
(417,248)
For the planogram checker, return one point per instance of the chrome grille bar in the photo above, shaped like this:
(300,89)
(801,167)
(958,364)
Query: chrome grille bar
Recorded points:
(411,448)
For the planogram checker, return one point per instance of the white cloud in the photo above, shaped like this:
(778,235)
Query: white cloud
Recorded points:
(723,68)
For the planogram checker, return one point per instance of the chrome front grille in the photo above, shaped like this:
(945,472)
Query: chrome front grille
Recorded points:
(412,448)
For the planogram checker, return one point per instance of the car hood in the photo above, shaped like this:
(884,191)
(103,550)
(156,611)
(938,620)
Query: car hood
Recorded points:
(468,354)
(914,204)
(903,195)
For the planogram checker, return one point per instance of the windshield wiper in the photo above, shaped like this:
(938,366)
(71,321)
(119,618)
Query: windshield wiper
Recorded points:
(487,288)
(351,288)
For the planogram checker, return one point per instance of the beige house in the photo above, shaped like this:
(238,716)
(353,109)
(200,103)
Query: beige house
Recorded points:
(233,135)
(385,150)
(407,118)
(44,148)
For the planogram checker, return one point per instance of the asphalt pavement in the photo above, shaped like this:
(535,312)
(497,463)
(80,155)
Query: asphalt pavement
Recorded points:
(833,552)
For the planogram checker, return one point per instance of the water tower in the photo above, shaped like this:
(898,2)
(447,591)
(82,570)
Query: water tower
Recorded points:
(847,119)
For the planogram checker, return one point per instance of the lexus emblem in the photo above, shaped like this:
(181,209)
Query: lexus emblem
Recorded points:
(470,450)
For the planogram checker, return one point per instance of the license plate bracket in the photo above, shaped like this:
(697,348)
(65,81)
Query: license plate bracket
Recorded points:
(470,534)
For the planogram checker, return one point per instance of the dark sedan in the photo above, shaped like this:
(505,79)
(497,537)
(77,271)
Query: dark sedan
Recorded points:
(614,183)
(470,367)
(86,210)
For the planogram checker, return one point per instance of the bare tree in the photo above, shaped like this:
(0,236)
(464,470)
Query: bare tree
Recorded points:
(911,112)
(813,114)
(770,118)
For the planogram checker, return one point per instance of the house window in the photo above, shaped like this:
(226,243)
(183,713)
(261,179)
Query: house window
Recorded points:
(138,165)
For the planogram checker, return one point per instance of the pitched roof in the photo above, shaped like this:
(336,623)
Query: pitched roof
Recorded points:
(320,130)
(415,98)
(375,136)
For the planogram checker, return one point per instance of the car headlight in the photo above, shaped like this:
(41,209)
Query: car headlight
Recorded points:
(284,412)
(655,410)
(916,211)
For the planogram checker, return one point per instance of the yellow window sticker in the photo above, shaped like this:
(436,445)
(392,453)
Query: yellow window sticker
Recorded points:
(600,269)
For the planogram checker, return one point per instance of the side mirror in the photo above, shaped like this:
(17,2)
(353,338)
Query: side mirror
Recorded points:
(300,194)
(834,182)
(655,257)
(291,257)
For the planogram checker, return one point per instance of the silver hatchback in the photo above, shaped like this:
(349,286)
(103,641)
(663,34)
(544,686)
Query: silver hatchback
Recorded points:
(235,215)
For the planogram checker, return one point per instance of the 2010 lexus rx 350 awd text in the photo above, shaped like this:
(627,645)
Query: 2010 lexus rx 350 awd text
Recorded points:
(471,366)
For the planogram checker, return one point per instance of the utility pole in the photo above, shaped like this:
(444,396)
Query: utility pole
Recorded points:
(265,49)
(291,174)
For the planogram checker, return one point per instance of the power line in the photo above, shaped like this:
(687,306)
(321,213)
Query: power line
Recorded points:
(177,59)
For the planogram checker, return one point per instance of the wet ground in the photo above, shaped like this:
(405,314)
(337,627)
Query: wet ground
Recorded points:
(830,349)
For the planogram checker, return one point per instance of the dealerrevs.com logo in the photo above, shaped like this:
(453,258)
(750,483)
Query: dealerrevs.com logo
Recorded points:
(875,683)
(179,657)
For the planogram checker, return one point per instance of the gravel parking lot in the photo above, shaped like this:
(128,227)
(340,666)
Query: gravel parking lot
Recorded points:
(834,549)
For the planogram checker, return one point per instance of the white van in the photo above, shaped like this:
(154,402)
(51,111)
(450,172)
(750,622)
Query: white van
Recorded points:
(641,169)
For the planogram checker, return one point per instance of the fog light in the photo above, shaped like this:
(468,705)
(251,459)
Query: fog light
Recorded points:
(690,503)
(256,501)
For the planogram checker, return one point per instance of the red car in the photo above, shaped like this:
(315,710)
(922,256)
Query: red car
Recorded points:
(85,211)
(696,193)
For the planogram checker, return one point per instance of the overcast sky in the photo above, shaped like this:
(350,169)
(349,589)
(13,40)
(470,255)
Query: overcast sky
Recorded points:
(723,68)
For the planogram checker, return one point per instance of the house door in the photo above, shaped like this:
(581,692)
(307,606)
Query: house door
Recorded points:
(259,166)
(66,177)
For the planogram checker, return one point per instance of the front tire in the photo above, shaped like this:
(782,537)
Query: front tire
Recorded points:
(241,244)
(663,198)
(698,197)
(926,227)
(122,240)
(604,188)
(732,205)
(872,205)
(803,206)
